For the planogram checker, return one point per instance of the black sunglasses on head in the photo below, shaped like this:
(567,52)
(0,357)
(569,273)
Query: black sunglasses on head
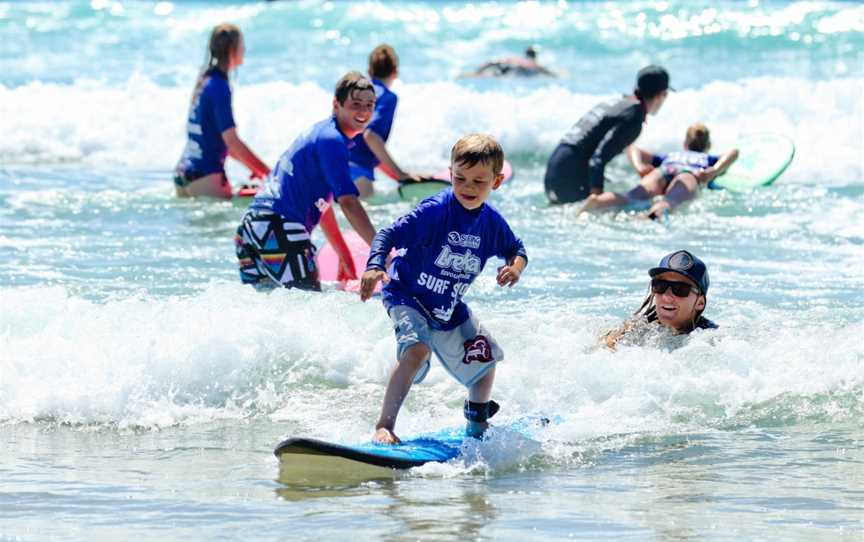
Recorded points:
(679,289)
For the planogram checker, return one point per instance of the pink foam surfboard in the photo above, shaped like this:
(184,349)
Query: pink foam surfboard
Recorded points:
(328,261)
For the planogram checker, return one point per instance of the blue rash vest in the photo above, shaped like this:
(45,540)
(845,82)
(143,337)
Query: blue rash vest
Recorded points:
(309,176)
(209,116)
(441,248)
(382,122)
(677,162)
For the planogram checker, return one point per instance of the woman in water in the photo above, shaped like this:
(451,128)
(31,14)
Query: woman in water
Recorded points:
(676,300)
(212,134)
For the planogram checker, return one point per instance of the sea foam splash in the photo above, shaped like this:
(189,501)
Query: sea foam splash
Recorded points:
(230,352)
(141,125)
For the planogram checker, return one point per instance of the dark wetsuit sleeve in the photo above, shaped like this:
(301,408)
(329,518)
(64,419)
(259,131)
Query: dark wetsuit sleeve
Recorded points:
(612,144)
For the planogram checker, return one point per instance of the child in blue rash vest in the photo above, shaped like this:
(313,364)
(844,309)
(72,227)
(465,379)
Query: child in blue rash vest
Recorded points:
(442,246)
(273,241)
(675,177)
(677,297)
(212,134)
(371,150)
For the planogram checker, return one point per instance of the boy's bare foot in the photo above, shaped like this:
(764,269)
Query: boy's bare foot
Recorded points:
(385,436)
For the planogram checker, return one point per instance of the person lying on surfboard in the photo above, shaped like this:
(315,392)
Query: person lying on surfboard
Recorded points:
(442,246)
(677,297)
(370,149)
(674,178)
(212,134)
(523,66)
(273,243)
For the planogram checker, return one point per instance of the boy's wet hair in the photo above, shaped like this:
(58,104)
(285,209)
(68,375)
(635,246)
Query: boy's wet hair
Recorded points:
(698,138)
(349,83)
(383,62)
(475,149)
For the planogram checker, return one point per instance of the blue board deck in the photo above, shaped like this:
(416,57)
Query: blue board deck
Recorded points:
(313,460)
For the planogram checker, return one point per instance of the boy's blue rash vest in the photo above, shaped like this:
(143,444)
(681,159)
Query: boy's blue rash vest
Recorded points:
(687,160)
(441,248)
(382,122)
(309,175)
(209,116)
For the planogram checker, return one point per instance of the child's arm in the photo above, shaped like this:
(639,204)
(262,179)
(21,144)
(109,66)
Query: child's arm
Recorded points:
(378,251)
(708,174)
(330,227)
(356,215)
(243,154)
(376,144)
(508,275)
(640,159)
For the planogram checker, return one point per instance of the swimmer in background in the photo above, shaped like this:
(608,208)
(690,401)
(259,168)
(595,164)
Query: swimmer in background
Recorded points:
(522,66)
(370,149)
(211,132)
(675,177)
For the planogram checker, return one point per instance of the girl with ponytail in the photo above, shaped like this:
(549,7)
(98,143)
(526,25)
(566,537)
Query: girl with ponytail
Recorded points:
(212,134)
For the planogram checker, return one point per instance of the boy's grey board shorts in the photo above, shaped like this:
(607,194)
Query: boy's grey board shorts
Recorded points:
(467,352)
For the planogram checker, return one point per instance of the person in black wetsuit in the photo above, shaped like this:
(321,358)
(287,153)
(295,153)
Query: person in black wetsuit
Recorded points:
(576,167)
(678,294)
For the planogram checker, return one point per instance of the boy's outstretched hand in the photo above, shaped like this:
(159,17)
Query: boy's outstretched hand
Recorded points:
(369,280)
(508,275)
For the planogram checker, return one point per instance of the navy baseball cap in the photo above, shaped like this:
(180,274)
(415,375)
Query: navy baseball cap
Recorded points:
(684,263)
(652,80)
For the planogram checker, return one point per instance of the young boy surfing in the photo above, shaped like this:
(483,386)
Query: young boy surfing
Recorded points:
(442,246)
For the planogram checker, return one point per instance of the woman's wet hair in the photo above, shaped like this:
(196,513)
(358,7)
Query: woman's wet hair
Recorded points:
(224,40)
(350,83)
(698,138)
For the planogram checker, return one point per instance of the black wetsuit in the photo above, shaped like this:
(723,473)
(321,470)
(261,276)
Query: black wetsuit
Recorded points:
(577,165)
(700,323)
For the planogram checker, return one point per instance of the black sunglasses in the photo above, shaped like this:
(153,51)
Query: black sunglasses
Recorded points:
(679,289)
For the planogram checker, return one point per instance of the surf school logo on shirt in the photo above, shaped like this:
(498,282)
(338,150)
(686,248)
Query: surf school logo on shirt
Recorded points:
(463,240)
(467,262)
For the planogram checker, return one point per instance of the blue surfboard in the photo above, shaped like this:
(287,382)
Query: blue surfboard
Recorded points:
(311,460)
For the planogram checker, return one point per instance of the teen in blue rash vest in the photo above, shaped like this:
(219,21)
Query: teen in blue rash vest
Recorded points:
(273,242)
(370,150)
(678,294)
(577,166)
(211,132)
(441,247)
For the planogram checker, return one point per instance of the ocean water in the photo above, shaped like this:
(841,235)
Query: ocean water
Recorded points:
(143,389)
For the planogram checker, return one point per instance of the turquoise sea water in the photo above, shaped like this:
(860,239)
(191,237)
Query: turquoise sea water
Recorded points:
(142,388)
